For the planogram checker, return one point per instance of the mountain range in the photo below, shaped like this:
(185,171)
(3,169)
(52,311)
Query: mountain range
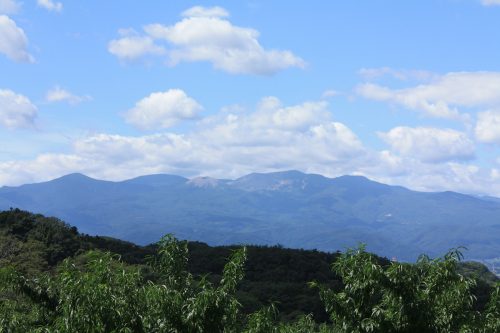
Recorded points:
(290,208)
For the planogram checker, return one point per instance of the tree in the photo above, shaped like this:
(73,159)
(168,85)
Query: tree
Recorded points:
(429,296)
(97,292)
(106,295)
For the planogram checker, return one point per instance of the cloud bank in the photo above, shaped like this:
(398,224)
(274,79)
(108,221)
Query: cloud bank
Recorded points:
(432,145)
(442,97)
(269,137)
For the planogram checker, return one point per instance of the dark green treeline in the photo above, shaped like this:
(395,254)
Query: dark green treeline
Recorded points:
(52,279)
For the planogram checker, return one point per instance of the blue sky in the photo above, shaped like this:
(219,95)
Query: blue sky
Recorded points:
(402,92)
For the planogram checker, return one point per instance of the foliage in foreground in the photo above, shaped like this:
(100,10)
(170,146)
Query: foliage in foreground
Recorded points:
(99,293)
(33,244)
(429,296)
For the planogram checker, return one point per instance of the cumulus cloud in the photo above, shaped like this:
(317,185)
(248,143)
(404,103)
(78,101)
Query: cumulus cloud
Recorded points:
(495,174)
(228,144)
(204,34)
(270,137)
(488,127)
(331,149)
(431,145)
(50,5)
(271,112)
(442,97)
(13,41)
(449,176)
(58,94)
(275,137)
(131,46)
(16,111)
(9,7)
(163,110)
(43,167)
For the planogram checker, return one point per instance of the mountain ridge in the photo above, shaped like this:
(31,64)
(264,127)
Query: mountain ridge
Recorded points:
(290,208)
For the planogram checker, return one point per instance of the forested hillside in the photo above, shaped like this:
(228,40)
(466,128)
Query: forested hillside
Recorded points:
(57,279)
(34,243)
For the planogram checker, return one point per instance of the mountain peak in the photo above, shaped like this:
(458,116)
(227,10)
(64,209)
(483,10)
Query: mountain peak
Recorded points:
(290,174)
(289,207)
(160,179)
(276,181)
(357,180)
(72,177)
(207,182)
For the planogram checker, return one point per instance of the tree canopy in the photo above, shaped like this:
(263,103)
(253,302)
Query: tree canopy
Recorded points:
(92,290)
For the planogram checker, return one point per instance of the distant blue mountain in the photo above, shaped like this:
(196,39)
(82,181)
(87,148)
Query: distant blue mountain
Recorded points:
(290,208)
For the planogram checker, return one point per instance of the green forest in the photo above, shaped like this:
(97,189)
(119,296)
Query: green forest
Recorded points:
(54,279)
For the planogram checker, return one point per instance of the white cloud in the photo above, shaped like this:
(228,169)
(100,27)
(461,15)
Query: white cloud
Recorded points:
(199,11)
(495,174)
(330,149)
(131,47)
(58,94)
(13,41)
(270,111)
(431,145)
(410,172)
(329,93)
(43,167)
(271,137)
(442,97)
(9,7)
(279,135)
(16,111)
(50,5)
(490,2)
(163,110)
(488,127)
(205,35)
(230,145)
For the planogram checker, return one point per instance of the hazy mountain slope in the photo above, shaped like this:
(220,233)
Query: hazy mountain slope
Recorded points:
(290,208)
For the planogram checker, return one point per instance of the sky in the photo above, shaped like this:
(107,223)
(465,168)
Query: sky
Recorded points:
(402,92)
